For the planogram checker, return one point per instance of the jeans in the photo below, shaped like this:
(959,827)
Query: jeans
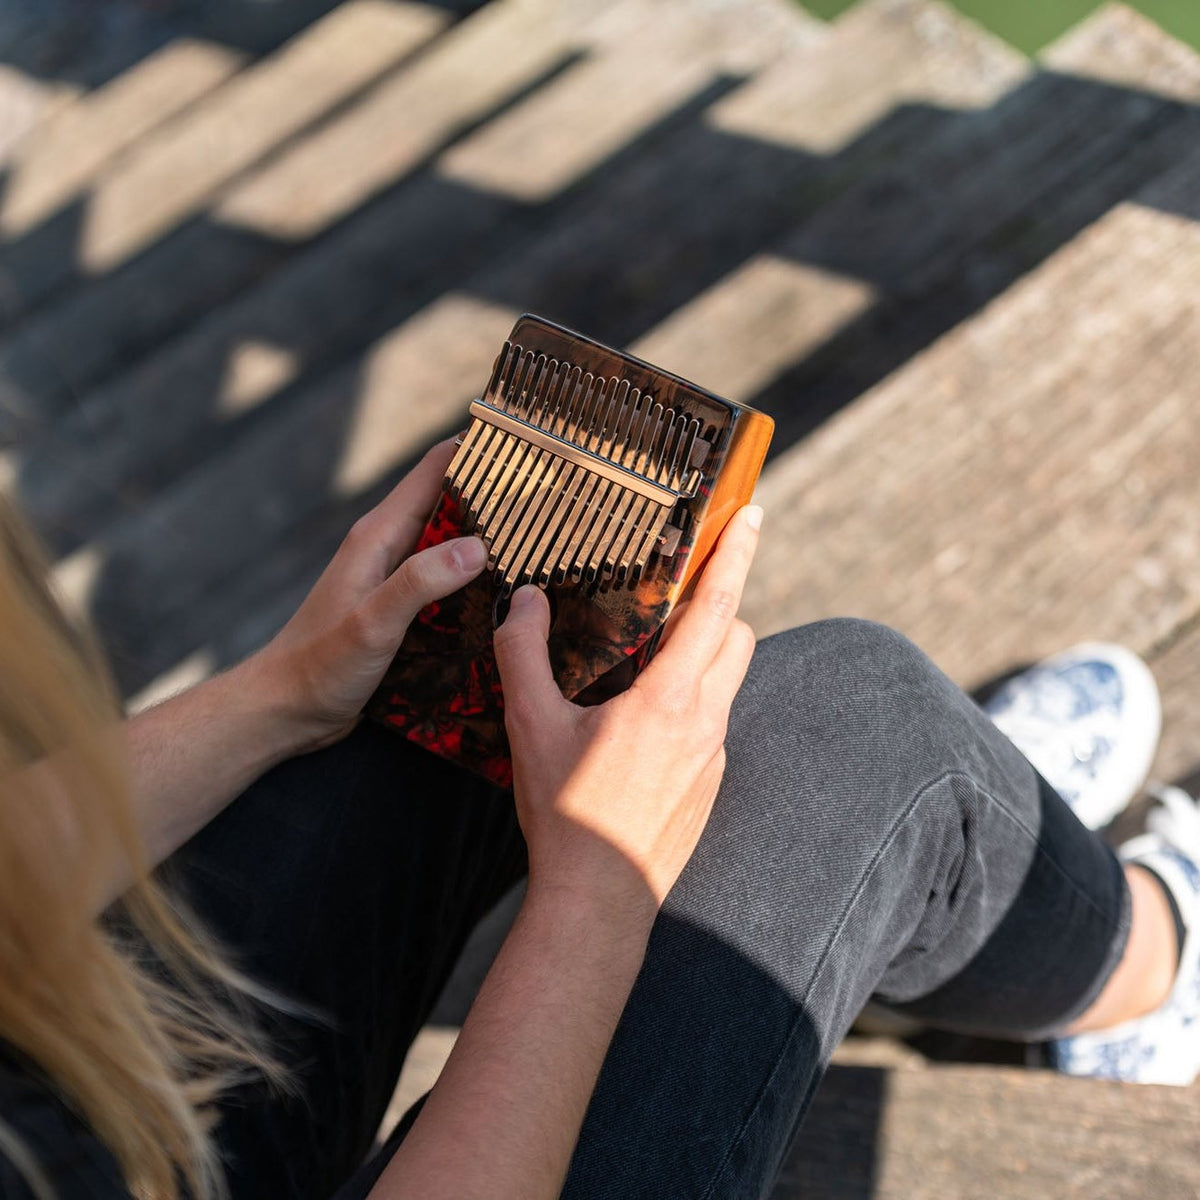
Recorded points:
(874,836)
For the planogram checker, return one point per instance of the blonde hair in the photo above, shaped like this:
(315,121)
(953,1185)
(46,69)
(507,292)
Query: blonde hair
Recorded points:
(134,1016)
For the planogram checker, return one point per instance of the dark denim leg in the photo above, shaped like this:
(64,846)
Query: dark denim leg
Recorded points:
(874,835)
(347,879)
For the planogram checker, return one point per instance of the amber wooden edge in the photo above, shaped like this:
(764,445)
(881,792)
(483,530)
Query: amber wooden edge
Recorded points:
(733,489)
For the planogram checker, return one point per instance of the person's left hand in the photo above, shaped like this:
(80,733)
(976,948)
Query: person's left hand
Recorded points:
(322,666)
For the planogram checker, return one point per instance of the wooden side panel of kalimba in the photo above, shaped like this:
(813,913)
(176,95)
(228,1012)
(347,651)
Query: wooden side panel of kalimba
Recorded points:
(732,488)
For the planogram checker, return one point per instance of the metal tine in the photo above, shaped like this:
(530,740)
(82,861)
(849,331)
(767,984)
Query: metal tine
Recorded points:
(515,554)
(646,510)
(650,515)
(601,538)
(543,395)
(503,465)
(464,455)
(515,380)
(634,504)
(671,449)
(581,509)
(547,559)
(574,408)
(660,468)
(665,451)
(601,508)
(531,389)
(495,468)
(547,472)
(556,414)
(679,460)
(614,538)
(532,543)
(480,440)
(601,502)
(501,449)
(598,431)
(573,523)
(501,369)
(511,499)
(634,457)
(514,519)
(519,396)
(507,364)
(595,396)
(685,456)
(504,470)
(542,548)
(549,532)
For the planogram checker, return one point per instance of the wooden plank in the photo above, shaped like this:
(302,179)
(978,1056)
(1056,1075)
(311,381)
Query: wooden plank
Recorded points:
(171,175)
(237,507)
(963,1131)
(637,71)
(584,232)
(103,454)
(888,52)
(68,151)
(157,186)
(1118,45)
(114,319)
(493,55)
(26,102)
(741,333)
(888,1124)
(1025,484)
(965,214)
(1176,665)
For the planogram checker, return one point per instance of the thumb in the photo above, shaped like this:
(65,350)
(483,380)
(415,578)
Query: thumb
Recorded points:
(523,657)
(430,574)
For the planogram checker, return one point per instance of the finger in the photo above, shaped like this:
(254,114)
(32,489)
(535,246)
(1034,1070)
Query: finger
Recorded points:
(701,631)
(729,668)
(419,580)
(387,533)
(523,657)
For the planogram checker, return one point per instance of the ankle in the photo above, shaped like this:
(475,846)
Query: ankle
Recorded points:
(1146,973)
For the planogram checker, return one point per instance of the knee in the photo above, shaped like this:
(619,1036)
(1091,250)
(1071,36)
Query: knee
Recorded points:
(837,667)
(840,697)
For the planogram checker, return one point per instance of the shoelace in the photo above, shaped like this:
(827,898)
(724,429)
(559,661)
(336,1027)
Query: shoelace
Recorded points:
(1176,820)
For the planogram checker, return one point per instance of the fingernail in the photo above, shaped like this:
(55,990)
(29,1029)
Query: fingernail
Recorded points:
(469,554)
(524,597)
(754,516)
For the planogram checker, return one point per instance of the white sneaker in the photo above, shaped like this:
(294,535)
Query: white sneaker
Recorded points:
(1089,720)
(1163,1046)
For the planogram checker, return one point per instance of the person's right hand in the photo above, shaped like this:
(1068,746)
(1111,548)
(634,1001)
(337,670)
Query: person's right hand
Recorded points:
(612,799)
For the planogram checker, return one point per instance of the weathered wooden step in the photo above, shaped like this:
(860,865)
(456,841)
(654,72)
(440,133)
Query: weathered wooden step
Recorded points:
(387,437)
(1027,483)
(958,1132)
(850,295)
(366,277)
(888,1125)
(117,318)
(67,152)
(171,174)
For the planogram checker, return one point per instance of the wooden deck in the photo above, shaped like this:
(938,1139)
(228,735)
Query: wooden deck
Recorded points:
(254,258)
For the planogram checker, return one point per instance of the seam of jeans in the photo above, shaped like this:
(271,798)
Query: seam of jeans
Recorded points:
(884,846)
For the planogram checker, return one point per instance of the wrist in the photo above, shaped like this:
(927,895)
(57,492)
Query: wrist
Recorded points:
(258,689)
(617,900)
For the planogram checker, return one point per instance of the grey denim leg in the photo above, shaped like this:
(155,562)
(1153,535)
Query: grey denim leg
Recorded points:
(874,834)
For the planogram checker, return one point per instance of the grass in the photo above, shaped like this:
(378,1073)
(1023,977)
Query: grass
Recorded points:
(1032,24)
